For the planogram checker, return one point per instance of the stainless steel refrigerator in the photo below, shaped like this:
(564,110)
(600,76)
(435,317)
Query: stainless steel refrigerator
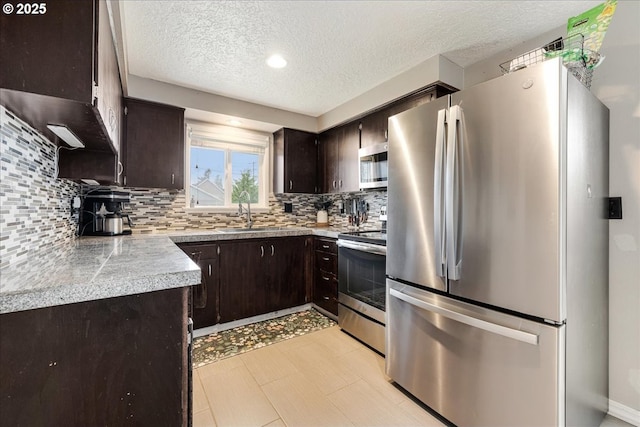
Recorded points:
(497,252)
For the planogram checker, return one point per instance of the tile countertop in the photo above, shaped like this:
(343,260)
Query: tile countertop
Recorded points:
(92,268)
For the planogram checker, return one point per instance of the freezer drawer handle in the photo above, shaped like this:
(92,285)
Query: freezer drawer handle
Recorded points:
(468,320)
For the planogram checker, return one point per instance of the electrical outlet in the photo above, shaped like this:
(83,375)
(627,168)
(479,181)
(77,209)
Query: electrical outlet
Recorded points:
(288,207)
(75,203)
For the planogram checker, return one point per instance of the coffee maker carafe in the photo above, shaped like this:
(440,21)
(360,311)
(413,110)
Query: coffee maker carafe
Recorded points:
(102,214)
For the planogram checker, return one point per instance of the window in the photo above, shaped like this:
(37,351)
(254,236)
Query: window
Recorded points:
(226,166)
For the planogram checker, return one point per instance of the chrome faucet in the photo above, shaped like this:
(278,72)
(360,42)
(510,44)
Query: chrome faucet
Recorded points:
(240,208)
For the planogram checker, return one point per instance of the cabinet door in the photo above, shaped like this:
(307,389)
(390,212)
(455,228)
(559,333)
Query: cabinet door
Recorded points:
(109,100)
(301,158)
(243,284)
(374,128)
(286,273)
(204,296)
(154,150)
(329,159)
(295,161)
(348,179)
(50,53)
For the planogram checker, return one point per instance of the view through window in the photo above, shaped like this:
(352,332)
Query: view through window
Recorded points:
(223,164)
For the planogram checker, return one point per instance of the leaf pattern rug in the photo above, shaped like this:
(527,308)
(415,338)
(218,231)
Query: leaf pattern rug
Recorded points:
(223,344)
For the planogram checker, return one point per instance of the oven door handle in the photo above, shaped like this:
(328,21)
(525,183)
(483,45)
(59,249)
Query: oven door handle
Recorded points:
(363,247)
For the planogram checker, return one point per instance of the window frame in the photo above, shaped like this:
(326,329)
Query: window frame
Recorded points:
(228,138)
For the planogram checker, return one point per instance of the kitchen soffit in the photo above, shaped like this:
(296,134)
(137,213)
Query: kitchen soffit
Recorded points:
(336,50)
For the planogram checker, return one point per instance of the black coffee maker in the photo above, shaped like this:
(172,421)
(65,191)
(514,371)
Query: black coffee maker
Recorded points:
(102,215)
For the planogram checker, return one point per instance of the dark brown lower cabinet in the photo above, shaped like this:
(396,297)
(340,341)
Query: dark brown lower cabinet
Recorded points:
(286,273)
(117,361)
(243,280)
(260,276)
(204,297)
(325,285)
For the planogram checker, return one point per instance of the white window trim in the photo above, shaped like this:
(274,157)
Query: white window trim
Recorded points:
(236,136)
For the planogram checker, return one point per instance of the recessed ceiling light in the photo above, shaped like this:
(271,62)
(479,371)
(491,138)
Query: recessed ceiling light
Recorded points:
(234,122)
(276,61)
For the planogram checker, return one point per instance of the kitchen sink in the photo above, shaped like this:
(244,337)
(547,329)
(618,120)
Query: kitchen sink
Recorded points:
(250,230)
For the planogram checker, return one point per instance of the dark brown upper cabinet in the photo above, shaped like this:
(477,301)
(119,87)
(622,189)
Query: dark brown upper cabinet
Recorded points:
(295,161)
(374,126)
(59,66)
(154,145)
(339,158)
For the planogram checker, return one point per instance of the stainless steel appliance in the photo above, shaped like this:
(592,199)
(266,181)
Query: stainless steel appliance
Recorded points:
(497,307)
(362,286)
(101,214)
(373,166)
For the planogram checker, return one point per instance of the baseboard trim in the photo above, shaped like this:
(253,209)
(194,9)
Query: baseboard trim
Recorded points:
(624,413)
(242,322)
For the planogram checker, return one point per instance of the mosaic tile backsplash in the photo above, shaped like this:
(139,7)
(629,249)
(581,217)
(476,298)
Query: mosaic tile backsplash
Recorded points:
(35,206)
(158,210)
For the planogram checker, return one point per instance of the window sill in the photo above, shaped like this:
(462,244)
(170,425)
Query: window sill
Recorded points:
(225,210)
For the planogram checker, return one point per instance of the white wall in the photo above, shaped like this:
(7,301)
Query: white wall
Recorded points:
(616,82)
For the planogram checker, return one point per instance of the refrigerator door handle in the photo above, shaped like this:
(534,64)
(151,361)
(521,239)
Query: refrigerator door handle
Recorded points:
(453,190)
(438,193)
(515,334)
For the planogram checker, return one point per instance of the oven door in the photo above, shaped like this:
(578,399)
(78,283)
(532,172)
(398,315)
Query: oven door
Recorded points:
(361,278)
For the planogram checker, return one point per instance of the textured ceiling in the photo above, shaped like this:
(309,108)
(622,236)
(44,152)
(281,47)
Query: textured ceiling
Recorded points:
(336,50)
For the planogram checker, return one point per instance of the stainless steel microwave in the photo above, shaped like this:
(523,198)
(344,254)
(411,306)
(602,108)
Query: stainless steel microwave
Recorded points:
(373,166)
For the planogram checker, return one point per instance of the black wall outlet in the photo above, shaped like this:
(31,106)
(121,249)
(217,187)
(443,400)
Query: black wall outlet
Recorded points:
(288,207)
(615,207)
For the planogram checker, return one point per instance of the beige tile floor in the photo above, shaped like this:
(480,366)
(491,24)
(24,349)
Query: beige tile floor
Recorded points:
(325,378)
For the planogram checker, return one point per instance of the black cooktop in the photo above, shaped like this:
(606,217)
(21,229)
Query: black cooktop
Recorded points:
(378,237)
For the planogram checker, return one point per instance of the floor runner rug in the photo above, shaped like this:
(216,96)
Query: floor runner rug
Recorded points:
(220,345)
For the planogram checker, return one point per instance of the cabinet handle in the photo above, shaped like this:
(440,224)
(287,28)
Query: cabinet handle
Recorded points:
(173,178)
(324,258)
(340,183)
(326,298)
(273,250)
(290,185)
(334,184)
(125,180)
(325,246)
(209,269)
(261,251)
(120,168)
(325,278)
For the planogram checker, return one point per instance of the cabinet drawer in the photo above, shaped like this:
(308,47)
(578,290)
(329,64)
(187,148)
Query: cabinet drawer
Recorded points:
(326,245)
(197,252)
(325,292)
(327,262)
(326,279)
